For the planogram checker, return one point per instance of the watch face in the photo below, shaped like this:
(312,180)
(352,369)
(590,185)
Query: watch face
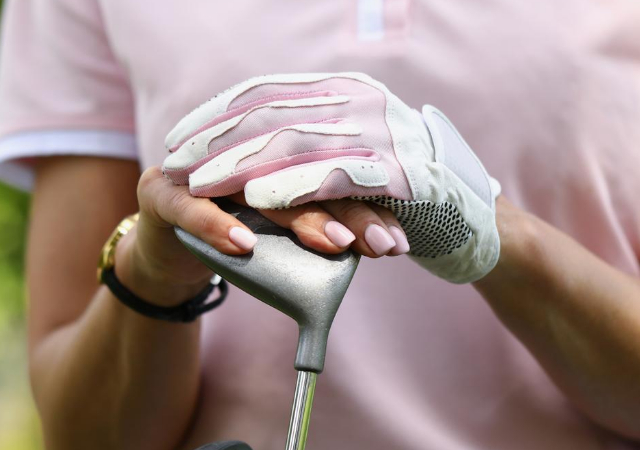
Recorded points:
(108,253)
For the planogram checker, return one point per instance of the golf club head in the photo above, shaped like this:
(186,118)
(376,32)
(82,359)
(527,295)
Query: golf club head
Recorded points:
(227,445)
(280,271)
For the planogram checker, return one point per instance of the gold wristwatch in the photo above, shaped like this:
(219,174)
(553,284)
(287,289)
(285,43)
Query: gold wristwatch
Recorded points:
(187,311)
(108,254)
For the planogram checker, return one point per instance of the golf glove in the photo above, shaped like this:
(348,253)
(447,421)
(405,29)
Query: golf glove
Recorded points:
(296,138)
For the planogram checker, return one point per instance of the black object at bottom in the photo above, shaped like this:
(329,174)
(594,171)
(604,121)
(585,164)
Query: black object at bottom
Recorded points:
(226,445)
(184,312)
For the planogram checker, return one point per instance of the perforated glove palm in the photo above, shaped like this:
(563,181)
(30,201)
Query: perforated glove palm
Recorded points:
(295,138)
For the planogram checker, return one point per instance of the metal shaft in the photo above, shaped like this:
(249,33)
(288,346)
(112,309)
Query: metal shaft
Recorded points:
(301,410)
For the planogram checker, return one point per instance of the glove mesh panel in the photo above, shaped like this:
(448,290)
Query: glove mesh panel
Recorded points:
(432,229)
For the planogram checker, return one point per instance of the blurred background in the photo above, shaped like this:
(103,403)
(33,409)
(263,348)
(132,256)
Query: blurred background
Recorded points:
(19,427)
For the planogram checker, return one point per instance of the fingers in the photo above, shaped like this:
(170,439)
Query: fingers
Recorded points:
(315,227)
(332,226)
(376,229)
(329,228)
(163,205)
(394,227)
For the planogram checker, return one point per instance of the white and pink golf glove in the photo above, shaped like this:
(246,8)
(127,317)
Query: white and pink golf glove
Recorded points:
(296,138)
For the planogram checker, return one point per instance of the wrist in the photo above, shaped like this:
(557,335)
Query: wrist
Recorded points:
(148,281)
(519,243)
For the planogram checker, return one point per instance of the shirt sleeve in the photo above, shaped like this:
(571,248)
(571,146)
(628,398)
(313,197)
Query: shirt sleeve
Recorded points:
(62,90)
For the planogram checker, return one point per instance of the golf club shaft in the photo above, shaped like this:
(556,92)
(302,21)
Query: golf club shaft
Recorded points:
(301,410)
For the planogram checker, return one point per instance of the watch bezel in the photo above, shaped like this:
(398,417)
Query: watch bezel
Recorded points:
(108,253)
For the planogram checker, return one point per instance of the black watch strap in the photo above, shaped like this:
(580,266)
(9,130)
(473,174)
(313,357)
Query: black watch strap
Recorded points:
(185,312)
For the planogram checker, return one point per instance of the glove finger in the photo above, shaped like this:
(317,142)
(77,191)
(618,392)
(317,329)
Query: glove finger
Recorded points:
(212,108)
(220,176)
(196,150)
(286,187)
(255,91)
(268,103)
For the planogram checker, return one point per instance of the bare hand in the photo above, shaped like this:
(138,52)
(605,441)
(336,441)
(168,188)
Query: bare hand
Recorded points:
(155,265)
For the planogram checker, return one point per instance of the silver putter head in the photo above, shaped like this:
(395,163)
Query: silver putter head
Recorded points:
(305,285)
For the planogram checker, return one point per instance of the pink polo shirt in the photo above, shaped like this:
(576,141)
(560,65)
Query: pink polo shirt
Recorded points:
(546,92)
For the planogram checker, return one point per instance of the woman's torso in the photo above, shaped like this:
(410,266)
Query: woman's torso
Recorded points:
(547,94)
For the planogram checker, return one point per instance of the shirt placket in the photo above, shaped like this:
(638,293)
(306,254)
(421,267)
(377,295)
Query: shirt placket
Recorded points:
(379,20)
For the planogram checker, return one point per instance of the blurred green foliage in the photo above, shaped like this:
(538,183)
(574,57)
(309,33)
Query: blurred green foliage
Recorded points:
(13,220)
(19,425)
(19,428)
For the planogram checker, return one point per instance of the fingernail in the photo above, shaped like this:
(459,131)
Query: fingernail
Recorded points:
(243,238)
(402,245)
(339,234)
(378,239)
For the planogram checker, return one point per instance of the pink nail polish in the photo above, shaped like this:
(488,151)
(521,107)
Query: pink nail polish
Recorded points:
(339,234)
(378,239)
(242,238)
(402,245)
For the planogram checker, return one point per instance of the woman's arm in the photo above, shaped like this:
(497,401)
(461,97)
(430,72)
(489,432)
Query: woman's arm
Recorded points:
(579,316)
(103,376)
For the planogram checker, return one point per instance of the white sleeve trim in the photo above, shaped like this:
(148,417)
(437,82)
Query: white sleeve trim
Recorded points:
(112,144)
